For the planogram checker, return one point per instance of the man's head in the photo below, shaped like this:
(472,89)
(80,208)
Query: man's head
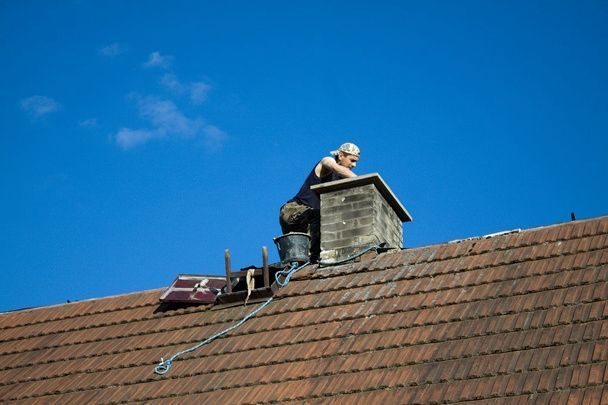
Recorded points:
(347,155)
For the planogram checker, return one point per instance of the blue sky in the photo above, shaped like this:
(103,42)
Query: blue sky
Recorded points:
(141,139)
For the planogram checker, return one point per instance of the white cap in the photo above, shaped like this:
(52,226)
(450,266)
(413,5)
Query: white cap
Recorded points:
(349,148)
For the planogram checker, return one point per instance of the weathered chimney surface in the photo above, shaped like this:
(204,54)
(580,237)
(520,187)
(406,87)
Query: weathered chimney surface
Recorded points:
(357,213)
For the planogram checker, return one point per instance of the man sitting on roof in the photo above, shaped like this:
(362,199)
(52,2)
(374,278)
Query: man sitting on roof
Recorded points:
(302,212)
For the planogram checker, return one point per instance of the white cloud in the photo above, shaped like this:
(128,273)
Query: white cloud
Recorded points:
(214,138)
(166,117)
(129,138)
(112,50)
(88,123)
(198,92)
(169,80)
(39,106)
(157,60)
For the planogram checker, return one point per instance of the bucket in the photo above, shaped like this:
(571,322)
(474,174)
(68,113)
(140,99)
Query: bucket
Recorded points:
(293,247)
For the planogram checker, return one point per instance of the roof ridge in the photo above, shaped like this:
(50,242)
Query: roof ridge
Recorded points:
(335,273)
(305,292)
(315,275)
(420,306)
(519,230)
(77,302)
(495,234)
(179,311)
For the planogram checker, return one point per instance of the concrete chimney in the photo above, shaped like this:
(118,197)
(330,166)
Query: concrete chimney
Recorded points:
(357,213)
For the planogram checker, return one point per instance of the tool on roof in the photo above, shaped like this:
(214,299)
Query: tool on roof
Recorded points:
(193,289)
(231,276)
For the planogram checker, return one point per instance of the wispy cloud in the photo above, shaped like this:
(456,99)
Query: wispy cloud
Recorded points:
(214,138)
(39,106)
(88,123)
(169,80)
(197,91)
(112,50)
(166,117)
(165,120)
(155,59)
(129,138)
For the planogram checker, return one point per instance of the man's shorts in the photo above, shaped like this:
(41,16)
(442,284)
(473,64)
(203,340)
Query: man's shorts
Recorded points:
(295,217)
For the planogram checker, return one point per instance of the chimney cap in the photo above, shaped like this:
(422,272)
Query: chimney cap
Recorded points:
(372,178)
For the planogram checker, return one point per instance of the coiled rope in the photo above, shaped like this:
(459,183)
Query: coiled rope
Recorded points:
(287,274)
(165,365)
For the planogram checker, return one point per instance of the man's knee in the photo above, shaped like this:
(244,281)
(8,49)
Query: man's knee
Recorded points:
(293,217)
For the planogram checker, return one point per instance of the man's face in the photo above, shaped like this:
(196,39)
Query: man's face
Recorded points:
(346,160)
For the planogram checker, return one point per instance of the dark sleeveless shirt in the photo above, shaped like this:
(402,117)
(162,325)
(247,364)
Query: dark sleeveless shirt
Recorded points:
(308,197)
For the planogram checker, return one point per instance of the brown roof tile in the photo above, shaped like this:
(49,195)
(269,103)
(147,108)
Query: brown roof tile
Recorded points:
(592,395)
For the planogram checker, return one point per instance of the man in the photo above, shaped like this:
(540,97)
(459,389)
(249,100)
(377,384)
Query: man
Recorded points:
(302,212)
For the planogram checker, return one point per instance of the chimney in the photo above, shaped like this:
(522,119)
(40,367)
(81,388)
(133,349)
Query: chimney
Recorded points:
(357,213)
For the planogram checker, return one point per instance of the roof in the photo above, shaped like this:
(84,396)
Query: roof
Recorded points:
(511,317)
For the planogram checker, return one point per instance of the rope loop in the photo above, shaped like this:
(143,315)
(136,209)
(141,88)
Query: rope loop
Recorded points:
(163,367)
(287,274)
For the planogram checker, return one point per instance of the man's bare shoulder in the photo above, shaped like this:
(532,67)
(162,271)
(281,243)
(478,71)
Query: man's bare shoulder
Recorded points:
(325,166)
(328,162)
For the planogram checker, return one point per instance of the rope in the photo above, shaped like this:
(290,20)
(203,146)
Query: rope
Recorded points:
(349,258)
(165,365)
(287,274)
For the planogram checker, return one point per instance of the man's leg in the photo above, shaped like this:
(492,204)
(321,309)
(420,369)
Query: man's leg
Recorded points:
(294,217)
(314,230)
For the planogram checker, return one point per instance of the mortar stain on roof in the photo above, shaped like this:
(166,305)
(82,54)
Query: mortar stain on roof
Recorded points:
(518,316)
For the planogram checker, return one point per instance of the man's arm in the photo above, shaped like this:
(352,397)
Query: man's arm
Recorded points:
(329,164)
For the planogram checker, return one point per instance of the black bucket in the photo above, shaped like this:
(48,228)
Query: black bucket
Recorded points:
(293,247)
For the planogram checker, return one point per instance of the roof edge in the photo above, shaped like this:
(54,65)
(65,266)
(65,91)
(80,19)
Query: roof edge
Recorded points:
(161,289)
(12,311)
(510,231)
